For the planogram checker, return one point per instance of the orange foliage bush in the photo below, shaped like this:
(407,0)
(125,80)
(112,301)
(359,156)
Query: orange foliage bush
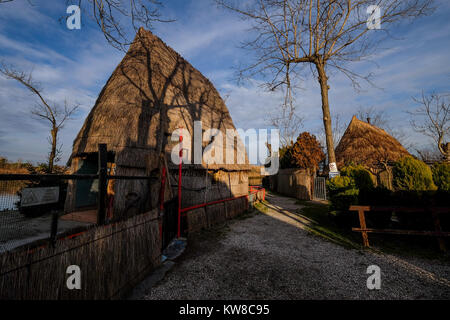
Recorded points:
(304,153)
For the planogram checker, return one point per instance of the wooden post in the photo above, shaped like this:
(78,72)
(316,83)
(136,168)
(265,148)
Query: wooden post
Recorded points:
(362,222)
(437,227)
(54,227)
(102,183)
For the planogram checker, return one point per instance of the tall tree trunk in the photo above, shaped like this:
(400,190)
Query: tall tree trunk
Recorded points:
(444,148)
(323,81)
(52,155)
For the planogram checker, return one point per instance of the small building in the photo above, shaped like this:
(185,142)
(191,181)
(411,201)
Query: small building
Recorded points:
(372,147)
(151,93)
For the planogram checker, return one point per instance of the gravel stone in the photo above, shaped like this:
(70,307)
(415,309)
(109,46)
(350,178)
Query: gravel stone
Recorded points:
(271,256)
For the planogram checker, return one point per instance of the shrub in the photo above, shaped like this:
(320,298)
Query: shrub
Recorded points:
(345,189)
(441,176)
(342,200)
(378,196)
(412,174)
(340,203)
(305,153)
(362,177)
(340,184)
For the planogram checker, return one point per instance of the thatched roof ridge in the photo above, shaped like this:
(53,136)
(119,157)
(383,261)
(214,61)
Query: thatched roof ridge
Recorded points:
(368,145)
(152,92)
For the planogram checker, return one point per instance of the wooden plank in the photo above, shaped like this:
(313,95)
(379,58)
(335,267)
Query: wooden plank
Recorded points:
(81,216)
(357,208)
(408,232)
(400,209)
(102,181)
(437,227)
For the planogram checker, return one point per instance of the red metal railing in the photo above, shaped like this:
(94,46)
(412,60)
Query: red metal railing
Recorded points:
(179,187)
(252,190)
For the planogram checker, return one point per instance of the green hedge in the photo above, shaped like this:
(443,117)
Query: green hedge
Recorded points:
(345,191)
(412,174)
(362,177)
(441,176)
(414,187)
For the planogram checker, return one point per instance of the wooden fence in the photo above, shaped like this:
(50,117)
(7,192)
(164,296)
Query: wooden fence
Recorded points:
(435,212)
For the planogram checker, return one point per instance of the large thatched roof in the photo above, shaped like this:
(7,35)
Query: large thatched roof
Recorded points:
(366,144)
(151,93)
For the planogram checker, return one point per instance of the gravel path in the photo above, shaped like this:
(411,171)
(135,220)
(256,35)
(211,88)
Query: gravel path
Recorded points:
(271,256)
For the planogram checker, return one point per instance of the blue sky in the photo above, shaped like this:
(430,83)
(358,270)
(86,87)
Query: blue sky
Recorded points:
(75,64)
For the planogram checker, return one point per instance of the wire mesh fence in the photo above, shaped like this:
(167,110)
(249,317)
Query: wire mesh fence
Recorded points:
(12,223)
(30,210)
(43,207)
(9,194)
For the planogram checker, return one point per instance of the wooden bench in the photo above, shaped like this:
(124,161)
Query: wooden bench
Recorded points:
(435,212)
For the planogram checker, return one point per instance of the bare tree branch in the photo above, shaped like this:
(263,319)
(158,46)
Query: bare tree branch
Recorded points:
(288,123)
(115,17)
(432,119)
(324,34)
(52,113)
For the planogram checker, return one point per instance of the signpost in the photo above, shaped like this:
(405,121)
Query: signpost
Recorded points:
(333,170)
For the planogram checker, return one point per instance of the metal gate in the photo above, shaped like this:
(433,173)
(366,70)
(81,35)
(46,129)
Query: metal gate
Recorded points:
(320,188)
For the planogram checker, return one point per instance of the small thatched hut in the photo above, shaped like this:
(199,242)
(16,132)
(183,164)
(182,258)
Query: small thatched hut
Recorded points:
(370,146)
(151,93)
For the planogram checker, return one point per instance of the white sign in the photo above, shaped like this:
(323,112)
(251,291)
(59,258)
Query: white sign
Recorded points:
(333,174)
(37,196)
(333,167)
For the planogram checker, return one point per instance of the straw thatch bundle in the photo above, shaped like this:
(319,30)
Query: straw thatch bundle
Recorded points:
(368,145)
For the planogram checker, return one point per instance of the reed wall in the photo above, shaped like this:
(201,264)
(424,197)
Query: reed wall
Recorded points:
(112,259)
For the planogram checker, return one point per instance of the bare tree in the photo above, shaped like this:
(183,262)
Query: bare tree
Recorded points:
(381,120)
(52,113)
(115,17)
(319,34)
(373,116)
(288,123)
(429,154)
(339,127)
(432,119)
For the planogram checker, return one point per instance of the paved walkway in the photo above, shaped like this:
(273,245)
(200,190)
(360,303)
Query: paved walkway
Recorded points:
(271,256)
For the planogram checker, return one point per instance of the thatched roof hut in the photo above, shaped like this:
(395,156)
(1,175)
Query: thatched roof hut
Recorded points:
(152,92)
(368,145)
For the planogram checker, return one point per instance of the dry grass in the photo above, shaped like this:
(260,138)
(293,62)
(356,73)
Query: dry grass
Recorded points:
(14,171)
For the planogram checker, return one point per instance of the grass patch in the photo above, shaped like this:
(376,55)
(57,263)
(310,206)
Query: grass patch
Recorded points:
(324,226)
(261,207)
